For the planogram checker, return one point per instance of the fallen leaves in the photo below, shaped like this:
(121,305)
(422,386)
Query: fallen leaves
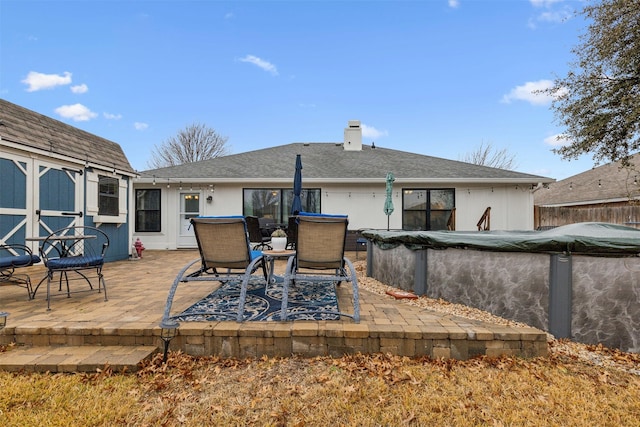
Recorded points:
(576,385)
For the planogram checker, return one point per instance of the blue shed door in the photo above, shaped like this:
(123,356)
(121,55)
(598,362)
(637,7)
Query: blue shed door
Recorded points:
(37,197)
(58,196)
(15,222)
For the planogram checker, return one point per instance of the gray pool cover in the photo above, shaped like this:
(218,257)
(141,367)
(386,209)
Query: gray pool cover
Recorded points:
(587,238)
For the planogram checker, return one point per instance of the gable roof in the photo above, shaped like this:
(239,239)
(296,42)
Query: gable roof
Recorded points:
(329,162)
(603,184)
(28,128)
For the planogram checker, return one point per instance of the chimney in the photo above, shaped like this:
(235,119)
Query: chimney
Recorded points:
(353,136)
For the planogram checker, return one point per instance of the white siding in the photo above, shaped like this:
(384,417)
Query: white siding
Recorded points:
(511,206)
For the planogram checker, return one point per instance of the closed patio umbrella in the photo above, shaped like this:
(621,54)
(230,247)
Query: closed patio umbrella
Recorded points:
(388,202)
(296,205)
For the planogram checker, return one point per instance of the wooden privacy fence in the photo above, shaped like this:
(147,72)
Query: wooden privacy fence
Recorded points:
(546,217)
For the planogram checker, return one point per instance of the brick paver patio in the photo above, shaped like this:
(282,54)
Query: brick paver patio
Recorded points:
(87,325)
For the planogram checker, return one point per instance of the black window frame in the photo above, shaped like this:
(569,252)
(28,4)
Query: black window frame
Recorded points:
(283,209)
(141,211)
(424,217)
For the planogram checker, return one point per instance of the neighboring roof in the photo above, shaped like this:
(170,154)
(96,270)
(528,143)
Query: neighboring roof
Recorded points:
(329,162)
(25,127)
(604,184)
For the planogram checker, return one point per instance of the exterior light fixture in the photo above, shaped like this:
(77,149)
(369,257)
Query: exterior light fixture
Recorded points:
(154,180)
(169,329)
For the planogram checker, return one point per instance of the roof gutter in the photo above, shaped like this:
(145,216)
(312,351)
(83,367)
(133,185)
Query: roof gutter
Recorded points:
(466,181)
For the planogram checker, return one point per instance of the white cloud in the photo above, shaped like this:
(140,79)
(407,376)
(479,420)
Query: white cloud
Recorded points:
(83,88)
(265,65)
(527,92)
(557,140)
(544,3)
(140,126)
(110,116)
(555,16)
(371,132)
(76,112)
(553,12)
(38,81)
(454,3)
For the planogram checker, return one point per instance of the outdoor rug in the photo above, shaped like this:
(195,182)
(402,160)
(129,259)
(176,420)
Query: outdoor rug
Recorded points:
(222,304)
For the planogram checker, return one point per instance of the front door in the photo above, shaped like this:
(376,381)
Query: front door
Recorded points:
(189,208)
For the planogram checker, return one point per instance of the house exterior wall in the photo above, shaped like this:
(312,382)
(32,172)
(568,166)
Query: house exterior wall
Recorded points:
(511,206)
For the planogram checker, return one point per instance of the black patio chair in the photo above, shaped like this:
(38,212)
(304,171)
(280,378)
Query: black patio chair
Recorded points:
(292,232)
(259,242)
(267,225)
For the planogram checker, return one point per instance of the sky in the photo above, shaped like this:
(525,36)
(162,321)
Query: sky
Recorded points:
(434,77)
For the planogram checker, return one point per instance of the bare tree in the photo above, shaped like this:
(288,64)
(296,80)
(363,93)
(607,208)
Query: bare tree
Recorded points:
(598,101)
(486,155)
(195,142)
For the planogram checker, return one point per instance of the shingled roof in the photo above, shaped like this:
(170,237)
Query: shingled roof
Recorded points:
(605,184)
(28,128)
(329,162)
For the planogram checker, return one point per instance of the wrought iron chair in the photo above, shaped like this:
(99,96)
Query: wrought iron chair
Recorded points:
(225,254)
(257,239)
(319,257)
(12,257)
(76,253)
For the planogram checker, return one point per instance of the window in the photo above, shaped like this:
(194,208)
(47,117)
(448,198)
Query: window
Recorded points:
(108,196)
(275,203)
(148,210)
(427,209)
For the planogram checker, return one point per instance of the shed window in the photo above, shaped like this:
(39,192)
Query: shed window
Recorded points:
(108,196)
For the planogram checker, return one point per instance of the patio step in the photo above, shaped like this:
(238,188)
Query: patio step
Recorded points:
(86,358)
